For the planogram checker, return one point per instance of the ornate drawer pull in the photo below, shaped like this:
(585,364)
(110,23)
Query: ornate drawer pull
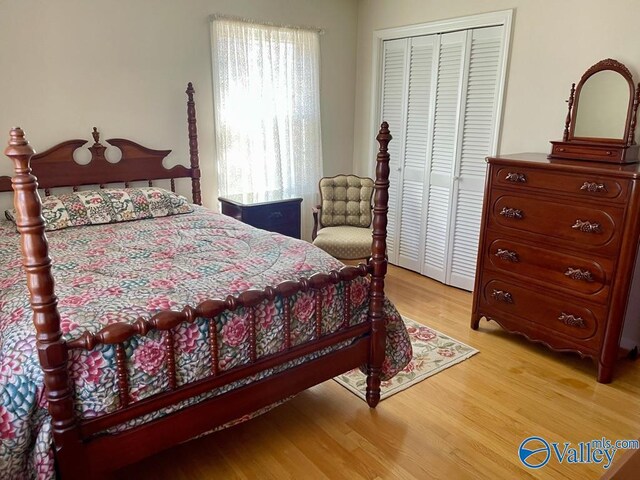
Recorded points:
(502,296)
(512,213)
(587,227)
(508,255)
(578,274)
(571,320)
(594,187)
(516,177)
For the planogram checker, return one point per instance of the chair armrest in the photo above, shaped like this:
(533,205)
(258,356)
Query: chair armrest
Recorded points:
(315,211)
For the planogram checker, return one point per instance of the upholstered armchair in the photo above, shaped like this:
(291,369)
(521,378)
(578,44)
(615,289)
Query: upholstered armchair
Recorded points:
(342,221)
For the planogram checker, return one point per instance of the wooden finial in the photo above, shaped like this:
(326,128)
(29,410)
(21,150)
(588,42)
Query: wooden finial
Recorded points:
(96,136)
(19,150)
(97,149)
(17,137)
(383,138)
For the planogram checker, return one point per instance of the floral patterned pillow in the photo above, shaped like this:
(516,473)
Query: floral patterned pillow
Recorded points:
(94,207)
(139,203)
(75,209)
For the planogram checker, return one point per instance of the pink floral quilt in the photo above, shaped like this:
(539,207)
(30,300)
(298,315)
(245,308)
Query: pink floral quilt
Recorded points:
(119,272)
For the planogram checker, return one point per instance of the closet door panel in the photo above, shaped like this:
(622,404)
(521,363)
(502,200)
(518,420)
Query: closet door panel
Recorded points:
(477,141)
(465,239)
(436,242)
(393,111)
(443,154)
(421,89)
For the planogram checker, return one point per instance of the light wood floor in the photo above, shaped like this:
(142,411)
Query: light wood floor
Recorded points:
(465,422)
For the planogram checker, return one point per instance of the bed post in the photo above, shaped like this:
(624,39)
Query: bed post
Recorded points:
(193,146)
(52,350)
(378,267)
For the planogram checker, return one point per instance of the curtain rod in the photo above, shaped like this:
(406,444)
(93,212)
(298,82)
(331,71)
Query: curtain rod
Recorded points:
(218,16)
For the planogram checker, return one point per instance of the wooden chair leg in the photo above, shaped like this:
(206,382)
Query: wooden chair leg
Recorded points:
(316,211)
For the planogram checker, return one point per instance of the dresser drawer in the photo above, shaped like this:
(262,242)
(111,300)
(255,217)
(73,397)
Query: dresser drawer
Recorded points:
(587,276)
(584,186)
(578,226)
(612,154)
(545,310)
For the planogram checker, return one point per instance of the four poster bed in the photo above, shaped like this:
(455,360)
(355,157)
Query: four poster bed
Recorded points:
(173,323)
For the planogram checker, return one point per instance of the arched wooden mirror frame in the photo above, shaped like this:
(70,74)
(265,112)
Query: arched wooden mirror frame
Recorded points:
(612,150)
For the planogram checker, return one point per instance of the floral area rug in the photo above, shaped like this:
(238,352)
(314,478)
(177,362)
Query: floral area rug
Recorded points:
(432,352)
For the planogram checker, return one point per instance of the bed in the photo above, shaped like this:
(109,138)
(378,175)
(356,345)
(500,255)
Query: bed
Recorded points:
(163,328)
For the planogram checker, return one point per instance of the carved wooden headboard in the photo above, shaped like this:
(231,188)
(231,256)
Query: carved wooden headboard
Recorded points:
(56,166)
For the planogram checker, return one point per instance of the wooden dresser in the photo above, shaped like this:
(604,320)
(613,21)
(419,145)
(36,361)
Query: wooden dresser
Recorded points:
(557,253)
(276,214)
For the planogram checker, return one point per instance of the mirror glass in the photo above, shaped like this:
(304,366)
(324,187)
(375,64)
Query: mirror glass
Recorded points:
(602,106)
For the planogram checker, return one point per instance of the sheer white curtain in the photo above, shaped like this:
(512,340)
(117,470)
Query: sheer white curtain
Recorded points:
(267,111)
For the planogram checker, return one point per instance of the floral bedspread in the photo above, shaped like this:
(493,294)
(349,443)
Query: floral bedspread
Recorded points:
(120,272)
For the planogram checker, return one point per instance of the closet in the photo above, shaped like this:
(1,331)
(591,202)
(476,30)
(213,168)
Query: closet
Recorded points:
(441,94)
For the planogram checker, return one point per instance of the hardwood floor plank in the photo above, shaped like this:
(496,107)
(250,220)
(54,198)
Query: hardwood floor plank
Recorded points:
(464,423)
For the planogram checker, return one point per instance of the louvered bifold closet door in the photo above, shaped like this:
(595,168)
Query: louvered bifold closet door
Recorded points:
(476,141)
(393,111)
(443,154)
(421,91)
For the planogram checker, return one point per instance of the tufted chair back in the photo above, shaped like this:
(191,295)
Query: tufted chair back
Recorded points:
(345,200)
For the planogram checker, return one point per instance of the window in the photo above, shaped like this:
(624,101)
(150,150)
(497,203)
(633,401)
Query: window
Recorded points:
(267,110)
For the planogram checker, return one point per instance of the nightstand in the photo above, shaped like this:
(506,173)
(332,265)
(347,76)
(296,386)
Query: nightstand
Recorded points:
(268,212)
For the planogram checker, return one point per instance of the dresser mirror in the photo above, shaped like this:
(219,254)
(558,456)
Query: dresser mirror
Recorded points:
(601,120)
(603,107)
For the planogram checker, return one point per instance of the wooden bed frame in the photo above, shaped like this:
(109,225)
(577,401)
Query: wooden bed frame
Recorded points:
(82,448)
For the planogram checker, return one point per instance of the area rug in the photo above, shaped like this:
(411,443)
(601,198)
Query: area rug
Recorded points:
(432,352)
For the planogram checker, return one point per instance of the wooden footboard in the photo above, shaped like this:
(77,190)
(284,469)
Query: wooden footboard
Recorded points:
(82,448)
(168,321)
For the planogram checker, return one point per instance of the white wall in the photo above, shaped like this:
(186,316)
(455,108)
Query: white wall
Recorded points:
(123,66)
(552,44)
